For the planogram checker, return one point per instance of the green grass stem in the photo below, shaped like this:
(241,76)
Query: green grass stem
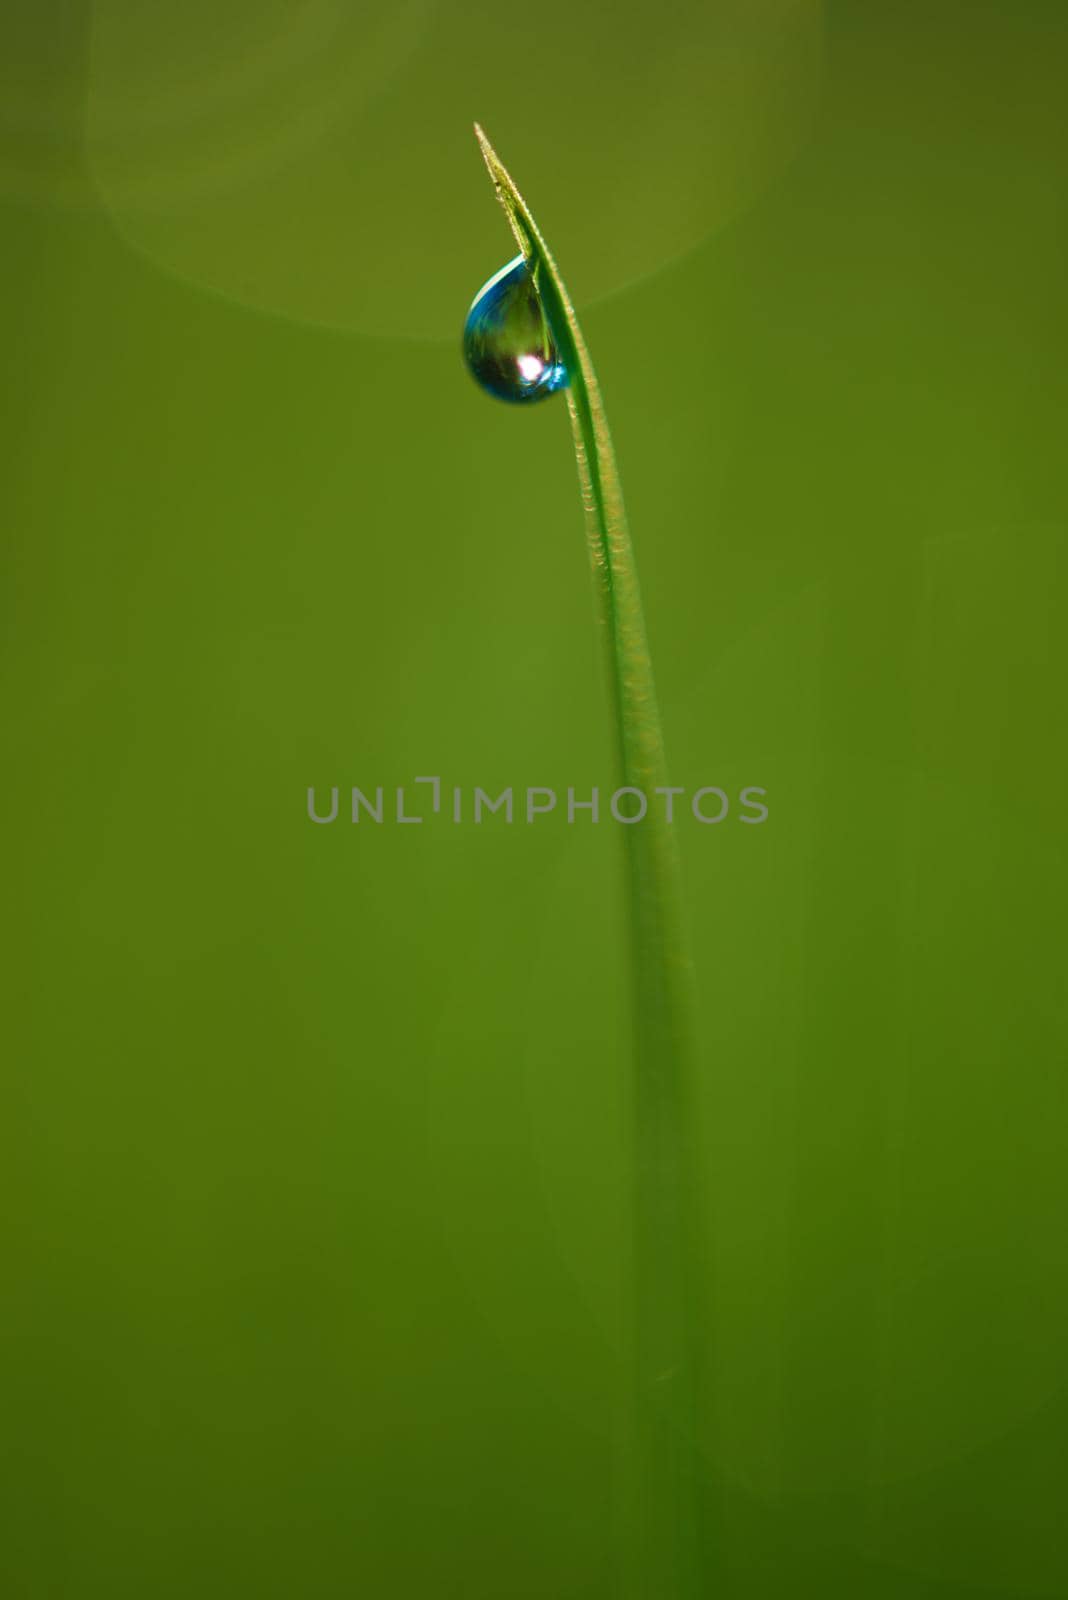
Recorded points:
(663,1546)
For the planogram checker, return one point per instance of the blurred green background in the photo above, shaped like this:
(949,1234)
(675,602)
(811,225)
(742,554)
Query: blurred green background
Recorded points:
(314,1156)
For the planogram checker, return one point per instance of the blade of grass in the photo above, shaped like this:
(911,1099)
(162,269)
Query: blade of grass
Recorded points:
(665,1558)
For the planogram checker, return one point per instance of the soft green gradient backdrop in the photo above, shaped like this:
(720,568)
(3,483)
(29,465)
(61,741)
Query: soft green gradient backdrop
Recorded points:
(314,1164)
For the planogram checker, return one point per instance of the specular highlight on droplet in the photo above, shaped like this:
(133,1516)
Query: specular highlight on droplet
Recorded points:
(508,344)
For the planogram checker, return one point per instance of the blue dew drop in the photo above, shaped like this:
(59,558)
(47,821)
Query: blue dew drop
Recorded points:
(508,343)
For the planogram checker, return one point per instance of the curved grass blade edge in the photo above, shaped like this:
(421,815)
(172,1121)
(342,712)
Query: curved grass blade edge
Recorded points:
(666,1558)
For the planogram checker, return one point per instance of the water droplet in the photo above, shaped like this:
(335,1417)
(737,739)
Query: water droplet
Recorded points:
(508,343)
